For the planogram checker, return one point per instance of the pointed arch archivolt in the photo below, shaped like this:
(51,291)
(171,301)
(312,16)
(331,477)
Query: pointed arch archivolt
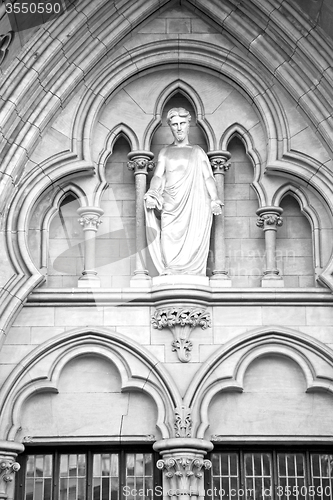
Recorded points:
(179,86)
(225,370)
(40,372)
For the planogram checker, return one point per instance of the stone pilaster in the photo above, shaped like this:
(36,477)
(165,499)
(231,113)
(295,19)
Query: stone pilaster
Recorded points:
(90,219)
(183,464)
(220,163)
(140,162)
(269,220)
(8,467)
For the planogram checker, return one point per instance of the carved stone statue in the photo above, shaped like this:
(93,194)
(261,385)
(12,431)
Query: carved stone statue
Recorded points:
(183,194)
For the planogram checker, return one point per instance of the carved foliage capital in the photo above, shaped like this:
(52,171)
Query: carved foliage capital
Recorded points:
(7,470)
(184,473)
(181,322)
(141,164)
(90,221)
(219,161)
(269,220)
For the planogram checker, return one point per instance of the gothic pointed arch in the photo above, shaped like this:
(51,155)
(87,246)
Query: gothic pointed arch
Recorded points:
(41,370)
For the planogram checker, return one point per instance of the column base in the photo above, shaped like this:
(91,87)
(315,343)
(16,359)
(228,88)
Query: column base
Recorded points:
(89,279)
(141,279)
(272,281)
(220,280)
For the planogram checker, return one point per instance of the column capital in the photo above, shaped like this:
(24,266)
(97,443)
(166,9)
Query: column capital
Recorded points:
(90,217)
(140,162)
(182,463)
(269,218)
(219,161)
(8,465)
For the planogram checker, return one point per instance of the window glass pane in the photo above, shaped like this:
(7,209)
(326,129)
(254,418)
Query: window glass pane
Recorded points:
(258,476)
(38,477)
(321,466)
(225,476)
(291,476)
(72,484)
(139,476)
(105,476)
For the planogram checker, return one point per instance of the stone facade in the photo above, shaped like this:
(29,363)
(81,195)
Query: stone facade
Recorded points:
(95,350)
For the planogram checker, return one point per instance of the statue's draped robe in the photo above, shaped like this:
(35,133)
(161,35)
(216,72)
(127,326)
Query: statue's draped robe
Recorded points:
(179,242)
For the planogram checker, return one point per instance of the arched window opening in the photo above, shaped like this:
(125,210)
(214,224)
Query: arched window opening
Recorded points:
(243,239)
(65,257)
(115,245)
(294,247)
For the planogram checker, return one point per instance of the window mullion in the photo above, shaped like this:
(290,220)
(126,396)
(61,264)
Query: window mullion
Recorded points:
(56,476)
(122,473)
(89,474)
(275,474)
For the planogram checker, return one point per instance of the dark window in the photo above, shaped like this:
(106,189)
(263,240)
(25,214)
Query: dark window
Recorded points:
(99,474)
(270,475)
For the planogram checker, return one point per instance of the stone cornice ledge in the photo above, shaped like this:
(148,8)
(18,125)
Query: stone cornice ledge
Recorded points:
(158,296)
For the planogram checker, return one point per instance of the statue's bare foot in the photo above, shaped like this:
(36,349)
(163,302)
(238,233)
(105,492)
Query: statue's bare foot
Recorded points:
(166,272)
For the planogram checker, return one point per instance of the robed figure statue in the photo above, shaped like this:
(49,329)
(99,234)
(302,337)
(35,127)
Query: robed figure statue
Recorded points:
(180,203)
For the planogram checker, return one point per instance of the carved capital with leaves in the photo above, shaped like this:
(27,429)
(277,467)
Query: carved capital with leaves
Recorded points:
(140,162)
(219,161)
(184,474)
(181,322)
(90,218)
(269,217)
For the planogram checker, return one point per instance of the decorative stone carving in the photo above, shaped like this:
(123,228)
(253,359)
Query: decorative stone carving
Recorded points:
(183,422)
(183,463)
(184,474)
(184,193)
(89,221)
(5,41)
(8,467)
(219,161)
(270,219)
(7,470)
(181,322)
(141,164)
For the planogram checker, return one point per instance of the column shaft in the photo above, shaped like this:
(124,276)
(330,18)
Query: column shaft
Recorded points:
(220,164)
(89,220)
(140,162)
(269,219)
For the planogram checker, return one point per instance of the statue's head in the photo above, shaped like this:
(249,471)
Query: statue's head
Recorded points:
(178,120)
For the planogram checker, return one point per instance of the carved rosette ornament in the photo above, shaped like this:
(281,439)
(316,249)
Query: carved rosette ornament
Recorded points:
(184,475)
(181,322)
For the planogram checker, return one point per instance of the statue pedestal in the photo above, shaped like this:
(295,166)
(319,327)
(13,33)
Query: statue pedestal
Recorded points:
(181,279)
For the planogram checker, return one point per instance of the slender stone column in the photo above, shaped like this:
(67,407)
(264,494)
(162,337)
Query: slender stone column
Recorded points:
(183,466)
(220,164)
(8,467)
(89,220)
(140,162)
(269,219)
